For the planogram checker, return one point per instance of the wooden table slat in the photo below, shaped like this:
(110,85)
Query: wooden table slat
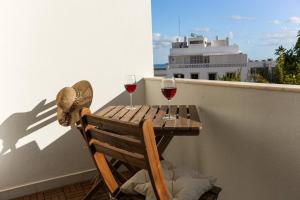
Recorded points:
(104,111)
(121,113)
(172,123)
(194,117)
(182,117)
(139,116)
(128,116)
(187,122)
(152,112)
(113,111)
(158,122)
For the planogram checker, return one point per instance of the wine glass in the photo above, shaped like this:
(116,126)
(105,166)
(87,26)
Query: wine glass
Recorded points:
(130,86)
(168,88)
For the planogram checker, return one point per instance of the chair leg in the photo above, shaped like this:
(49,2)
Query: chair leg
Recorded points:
(114,164)
(163,143)
(96,186)
(117,174)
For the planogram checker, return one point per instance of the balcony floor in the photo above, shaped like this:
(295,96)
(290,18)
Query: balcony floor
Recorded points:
(70,192)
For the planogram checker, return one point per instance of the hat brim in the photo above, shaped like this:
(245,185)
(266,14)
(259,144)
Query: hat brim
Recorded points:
(86,91)
(67,119)
(84,97)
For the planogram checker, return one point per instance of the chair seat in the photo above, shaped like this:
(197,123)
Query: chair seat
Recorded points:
(180,180)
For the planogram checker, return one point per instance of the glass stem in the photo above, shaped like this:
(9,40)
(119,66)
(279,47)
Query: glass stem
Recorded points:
(131,101)
(169,109)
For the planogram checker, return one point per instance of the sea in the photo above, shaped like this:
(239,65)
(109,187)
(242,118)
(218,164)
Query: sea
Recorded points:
(160,66)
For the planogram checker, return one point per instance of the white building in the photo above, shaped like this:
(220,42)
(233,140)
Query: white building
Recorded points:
(198,58)
(255,64)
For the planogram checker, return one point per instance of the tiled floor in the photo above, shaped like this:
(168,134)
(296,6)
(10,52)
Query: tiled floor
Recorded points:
(70,192)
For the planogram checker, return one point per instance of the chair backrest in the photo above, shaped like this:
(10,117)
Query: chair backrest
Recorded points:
(129,142)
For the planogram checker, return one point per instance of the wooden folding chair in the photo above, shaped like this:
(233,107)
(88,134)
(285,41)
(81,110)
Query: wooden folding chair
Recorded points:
(130,143)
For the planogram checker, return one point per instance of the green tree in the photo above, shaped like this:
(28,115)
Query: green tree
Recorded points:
(297,46)
(287,70)
(258,78)
(231,77)
(279,75)
(279,50)
(280,67)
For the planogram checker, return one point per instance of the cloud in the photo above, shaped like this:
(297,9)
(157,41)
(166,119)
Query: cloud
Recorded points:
(240,18)
(280,37)
(283,34)
(161,41)
(203,29)
(294,20)
(276,21)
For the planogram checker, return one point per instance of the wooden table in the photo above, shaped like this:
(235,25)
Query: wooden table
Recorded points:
(187,122)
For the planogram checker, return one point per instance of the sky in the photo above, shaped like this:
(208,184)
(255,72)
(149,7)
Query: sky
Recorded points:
(257,26)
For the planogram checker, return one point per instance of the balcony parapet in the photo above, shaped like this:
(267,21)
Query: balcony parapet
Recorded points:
(234,84)
(250,136)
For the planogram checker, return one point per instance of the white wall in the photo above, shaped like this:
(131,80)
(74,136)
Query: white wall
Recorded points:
(228,59)
(250,137)
(49,44)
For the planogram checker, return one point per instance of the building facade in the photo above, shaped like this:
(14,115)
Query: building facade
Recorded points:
(198,58)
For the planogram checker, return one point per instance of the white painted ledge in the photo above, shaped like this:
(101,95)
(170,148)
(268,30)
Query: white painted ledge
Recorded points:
(233,84)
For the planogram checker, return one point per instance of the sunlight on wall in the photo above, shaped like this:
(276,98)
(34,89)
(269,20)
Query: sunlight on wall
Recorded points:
(43,137)
(1,145)
(47,45)
(6,152)
(22,128)
(1,148)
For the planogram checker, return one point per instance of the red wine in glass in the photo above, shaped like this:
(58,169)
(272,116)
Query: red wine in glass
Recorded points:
(168,89)
(169,92)
(130,86)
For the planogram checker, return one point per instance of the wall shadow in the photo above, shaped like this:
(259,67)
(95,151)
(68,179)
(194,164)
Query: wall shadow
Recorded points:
(19,125)
(67,154)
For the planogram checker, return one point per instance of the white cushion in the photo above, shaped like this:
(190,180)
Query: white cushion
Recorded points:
(183,183)
(140,177)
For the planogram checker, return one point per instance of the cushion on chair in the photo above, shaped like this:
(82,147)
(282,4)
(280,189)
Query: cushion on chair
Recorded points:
(183,183)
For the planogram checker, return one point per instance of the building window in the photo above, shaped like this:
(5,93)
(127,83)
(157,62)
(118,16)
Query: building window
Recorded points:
(206,59)
(212,76)
(178,75)
(196,59)
(196,42)
(194,76)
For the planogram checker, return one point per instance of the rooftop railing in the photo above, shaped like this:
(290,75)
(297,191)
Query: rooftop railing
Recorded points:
(204,65)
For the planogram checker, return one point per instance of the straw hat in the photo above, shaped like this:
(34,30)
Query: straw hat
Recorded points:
(70,100)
